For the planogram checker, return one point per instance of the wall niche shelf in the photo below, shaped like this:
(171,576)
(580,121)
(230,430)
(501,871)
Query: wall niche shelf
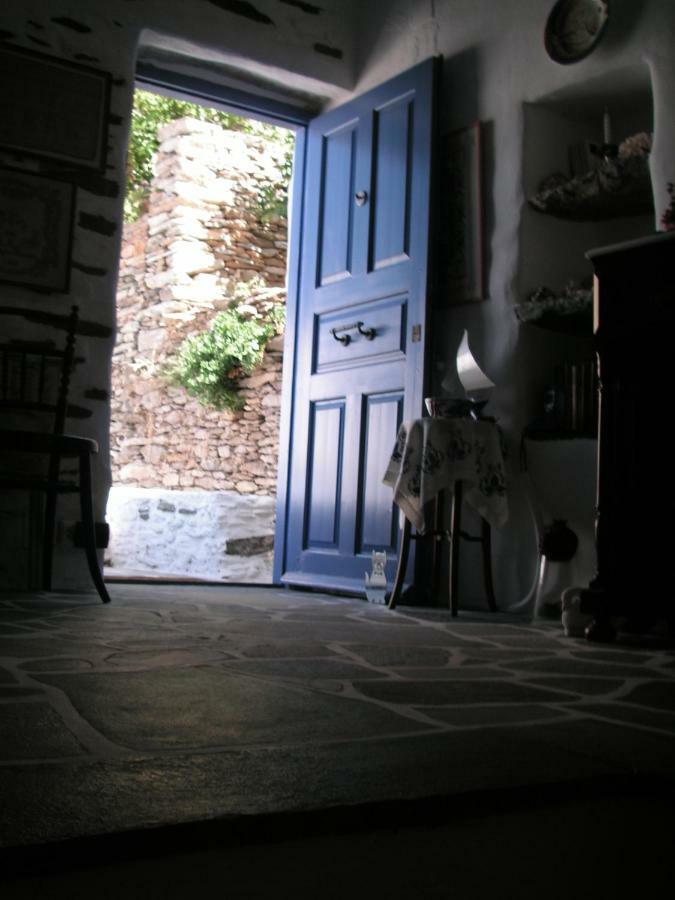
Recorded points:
(577,324)
(586,183)
(617,188)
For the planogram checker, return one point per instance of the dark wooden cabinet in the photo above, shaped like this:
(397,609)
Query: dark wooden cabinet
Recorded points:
(634,319)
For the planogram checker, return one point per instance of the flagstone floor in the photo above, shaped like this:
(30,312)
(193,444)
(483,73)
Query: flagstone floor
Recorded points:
(191,703)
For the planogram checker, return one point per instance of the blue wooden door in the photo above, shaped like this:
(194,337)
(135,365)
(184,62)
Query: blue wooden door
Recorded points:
(363,260)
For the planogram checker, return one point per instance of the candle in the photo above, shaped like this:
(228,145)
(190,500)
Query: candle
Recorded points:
(606,128)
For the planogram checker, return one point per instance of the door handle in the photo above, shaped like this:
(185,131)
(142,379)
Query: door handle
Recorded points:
(361,197)
(345,339)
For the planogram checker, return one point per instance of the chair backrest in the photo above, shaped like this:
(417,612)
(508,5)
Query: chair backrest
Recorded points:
(35,375)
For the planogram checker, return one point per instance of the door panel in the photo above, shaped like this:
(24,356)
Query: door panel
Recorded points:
(324,474)
(335,218)
(377,517)
(390,230)
(385,319)
(363,277)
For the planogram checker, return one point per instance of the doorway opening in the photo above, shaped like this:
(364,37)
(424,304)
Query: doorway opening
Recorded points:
(197,367)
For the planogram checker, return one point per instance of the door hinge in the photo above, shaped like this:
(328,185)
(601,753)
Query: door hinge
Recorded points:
(416,334)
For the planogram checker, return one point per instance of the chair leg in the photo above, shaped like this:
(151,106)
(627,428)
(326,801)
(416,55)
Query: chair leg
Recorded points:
(437,536)
(486,543)
(50,522)
(48,540)
(401,566)
(88,529)
(455,526)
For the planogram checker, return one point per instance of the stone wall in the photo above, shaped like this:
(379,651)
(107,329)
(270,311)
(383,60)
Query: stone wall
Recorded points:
(205,535)
(181,261)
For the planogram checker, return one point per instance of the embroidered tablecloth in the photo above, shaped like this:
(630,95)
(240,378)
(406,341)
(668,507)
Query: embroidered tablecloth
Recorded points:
(431,454)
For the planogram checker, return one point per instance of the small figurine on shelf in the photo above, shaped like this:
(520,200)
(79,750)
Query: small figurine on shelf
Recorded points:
(620,185)
(607,150)
(569,310)
(668,217)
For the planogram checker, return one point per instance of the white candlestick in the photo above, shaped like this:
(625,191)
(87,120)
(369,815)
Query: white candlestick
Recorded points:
(606,128)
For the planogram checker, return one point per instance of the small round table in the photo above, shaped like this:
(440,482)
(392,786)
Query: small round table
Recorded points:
(433,455)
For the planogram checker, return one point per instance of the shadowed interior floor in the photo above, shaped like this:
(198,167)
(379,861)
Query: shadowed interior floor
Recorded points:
(190,717)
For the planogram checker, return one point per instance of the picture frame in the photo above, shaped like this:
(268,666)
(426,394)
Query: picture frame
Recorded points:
(53,109)
(461,251)
(36,230)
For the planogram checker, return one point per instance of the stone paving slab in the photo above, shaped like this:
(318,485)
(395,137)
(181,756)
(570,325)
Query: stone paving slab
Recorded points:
(29,647)
(478,716)
(606,655)
(576,667)
(394,655)
(579,685)
(214,707)
(181,703)
(35,731)
(547,843)
(166,657)
(655,694)
(635,715)
(306,670)
(349,631)
(286,649)
(57,664)
(640,749)
(433,693)
(464,672)
(14,692)
(94,796)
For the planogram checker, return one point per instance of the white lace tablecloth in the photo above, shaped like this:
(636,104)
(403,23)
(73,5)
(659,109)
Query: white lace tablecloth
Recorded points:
(431,454)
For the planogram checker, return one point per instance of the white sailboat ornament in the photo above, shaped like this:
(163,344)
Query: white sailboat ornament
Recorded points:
(472,381)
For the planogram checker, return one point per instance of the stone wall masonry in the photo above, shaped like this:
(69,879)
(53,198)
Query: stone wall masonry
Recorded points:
(180,263)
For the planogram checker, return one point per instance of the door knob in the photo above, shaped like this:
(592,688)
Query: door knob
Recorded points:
(361,197)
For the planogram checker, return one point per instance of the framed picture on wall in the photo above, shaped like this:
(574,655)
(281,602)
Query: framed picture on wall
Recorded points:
(460,254)
(52,108)
(36,230)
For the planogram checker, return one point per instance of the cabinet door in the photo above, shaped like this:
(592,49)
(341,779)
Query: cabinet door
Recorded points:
(635,320)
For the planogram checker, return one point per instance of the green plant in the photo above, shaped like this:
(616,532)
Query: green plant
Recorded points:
(210,365)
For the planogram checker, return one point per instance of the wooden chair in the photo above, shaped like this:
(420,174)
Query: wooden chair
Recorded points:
(34,383)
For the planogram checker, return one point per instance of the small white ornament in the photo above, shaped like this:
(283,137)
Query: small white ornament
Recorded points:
(376,582)
(574,622)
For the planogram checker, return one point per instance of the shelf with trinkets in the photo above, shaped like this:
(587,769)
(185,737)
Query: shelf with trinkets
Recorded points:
(586,182)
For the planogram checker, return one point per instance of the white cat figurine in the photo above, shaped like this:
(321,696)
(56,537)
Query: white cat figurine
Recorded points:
(376,582)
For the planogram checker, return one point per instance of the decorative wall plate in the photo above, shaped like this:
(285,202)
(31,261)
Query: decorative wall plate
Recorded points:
(574,27)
